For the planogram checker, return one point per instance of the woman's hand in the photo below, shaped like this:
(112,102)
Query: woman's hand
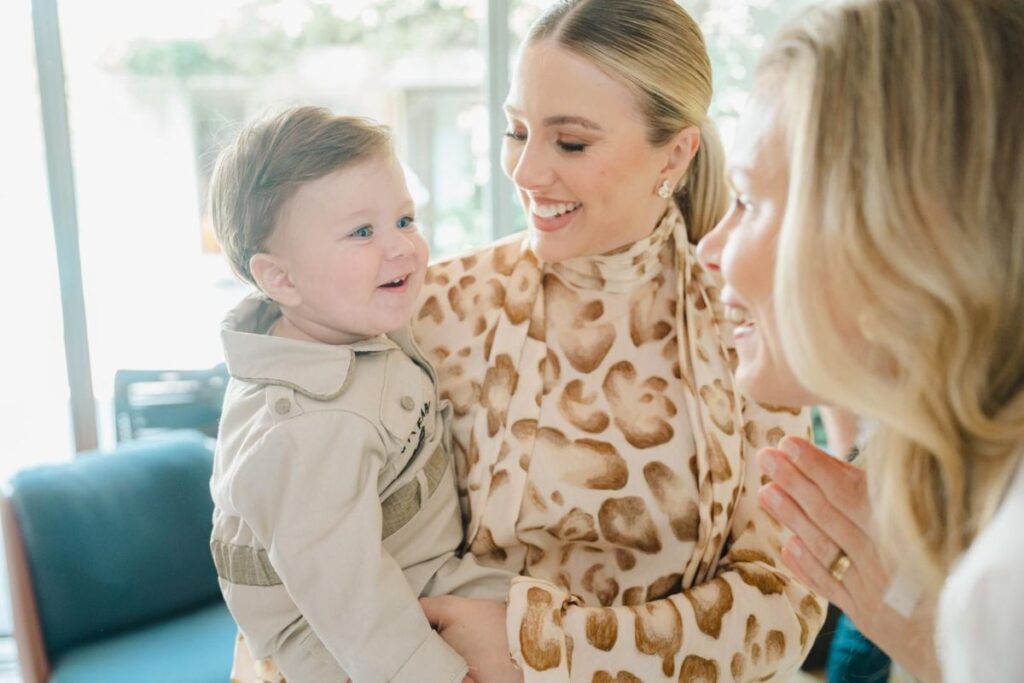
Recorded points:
(824,501)
(476,630)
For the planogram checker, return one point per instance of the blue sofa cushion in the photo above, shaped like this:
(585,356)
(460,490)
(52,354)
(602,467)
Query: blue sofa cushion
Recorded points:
(118,540)
(195,648)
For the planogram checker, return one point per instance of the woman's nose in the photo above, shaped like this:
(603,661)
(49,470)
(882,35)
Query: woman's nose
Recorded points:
(709,249)
(531,170)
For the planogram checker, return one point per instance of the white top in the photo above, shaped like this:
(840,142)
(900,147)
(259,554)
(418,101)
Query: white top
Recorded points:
(981,608)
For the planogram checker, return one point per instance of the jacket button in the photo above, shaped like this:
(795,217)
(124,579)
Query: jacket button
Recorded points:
(283,406)
(408,403)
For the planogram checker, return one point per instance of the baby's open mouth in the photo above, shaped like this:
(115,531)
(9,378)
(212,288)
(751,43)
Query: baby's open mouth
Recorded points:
(397,282)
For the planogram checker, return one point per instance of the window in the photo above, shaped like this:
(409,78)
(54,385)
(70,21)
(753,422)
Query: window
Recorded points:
(34,408)
(153,96)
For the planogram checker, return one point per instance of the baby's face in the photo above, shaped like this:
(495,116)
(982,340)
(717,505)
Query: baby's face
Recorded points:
(353,251)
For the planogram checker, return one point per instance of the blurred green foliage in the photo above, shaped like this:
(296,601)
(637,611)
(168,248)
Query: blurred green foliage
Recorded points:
(256,41)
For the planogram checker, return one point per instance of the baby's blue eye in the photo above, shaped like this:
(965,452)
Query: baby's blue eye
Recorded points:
(406,222)
(363,232)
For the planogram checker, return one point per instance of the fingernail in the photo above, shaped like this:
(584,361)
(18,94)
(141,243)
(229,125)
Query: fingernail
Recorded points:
(796,550)
(768,463)
(791,449)
(774,499)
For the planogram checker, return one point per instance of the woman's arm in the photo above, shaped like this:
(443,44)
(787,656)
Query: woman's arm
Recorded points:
(752,620)
(825,503)
(749,621)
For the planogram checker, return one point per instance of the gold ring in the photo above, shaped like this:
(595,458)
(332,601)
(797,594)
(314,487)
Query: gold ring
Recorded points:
(839,566)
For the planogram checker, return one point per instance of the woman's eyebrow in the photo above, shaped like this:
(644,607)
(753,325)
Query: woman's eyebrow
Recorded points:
(573,120)
(559,120)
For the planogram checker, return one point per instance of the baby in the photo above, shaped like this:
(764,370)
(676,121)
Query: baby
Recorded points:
(334,492)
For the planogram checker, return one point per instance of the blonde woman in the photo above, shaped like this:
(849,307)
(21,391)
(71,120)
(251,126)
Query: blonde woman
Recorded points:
(874,259)
(603,452)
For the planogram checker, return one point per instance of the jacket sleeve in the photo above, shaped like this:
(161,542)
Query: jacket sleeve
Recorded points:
(752,621)
(309,493)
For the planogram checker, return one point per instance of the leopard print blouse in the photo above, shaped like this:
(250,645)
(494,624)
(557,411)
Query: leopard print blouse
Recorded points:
(604,455)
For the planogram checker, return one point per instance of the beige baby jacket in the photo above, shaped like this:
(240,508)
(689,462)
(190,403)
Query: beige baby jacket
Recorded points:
(323,451)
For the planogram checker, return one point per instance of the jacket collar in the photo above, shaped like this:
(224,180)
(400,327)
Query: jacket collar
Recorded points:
(319,371)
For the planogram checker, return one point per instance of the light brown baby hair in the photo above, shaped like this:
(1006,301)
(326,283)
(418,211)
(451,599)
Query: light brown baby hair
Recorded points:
(269,160)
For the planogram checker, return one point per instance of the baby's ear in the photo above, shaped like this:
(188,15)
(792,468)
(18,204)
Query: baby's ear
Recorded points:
(272,278)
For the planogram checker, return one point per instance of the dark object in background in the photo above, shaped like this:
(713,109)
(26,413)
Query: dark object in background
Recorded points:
(817,658)
(150,402)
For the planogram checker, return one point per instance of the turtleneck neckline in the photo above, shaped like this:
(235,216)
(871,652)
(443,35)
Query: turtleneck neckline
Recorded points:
(624,268)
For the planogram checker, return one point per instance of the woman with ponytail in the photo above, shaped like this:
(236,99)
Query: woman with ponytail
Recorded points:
(602,449)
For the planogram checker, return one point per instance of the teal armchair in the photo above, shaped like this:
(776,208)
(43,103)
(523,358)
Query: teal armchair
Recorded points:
(110,568)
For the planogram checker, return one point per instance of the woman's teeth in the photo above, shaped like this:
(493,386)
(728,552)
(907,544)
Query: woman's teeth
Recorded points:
(396,282)
(554,210)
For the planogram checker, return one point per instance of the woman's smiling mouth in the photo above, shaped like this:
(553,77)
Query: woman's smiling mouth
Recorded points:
(551,216)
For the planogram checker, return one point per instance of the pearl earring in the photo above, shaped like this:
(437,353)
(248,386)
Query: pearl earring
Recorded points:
(665,189)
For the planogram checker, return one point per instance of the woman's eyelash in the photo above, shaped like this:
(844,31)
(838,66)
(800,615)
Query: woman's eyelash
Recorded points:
(565,146)
(573,146)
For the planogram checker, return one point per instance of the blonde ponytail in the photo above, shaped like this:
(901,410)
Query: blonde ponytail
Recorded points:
(704,196)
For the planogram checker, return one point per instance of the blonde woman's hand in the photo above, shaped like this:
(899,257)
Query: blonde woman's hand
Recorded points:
(825,503)
(476,630)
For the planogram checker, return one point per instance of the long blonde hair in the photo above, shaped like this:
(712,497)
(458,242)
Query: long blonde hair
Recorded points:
(905,218)
(657,49)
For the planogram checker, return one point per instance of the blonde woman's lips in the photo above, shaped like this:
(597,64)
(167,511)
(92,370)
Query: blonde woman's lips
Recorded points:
(743,331)
(553,216)
(739,317)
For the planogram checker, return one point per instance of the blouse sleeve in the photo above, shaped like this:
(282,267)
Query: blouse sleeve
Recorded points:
(752,621)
